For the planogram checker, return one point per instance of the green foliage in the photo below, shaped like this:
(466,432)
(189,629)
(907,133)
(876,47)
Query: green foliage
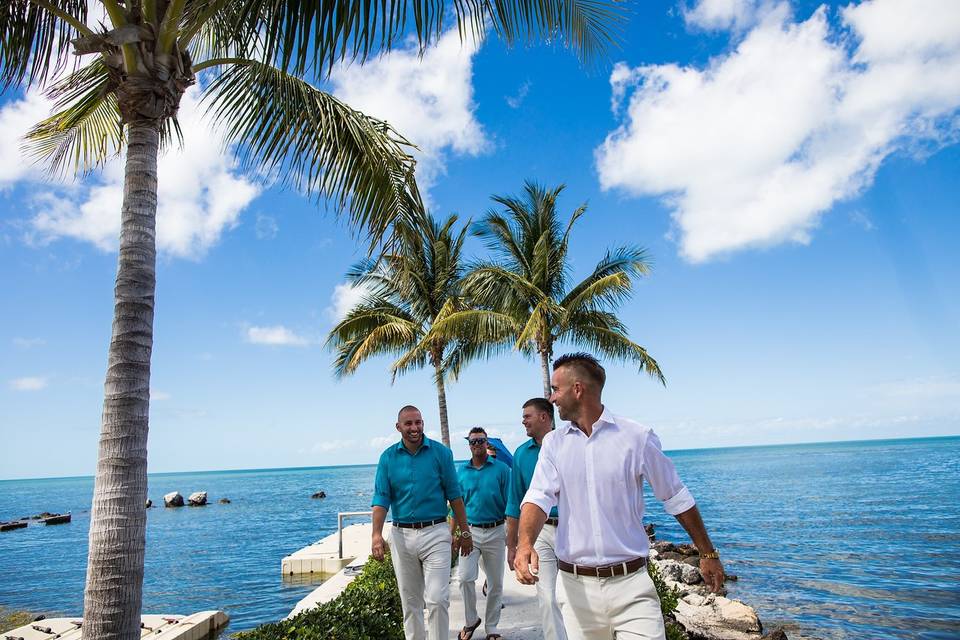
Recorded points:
(668,603)
(368,608)
(10,619)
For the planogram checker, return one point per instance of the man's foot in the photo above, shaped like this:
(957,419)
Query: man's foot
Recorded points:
(467,632)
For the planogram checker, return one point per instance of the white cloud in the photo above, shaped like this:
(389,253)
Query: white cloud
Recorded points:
(159,396)
(33,383)
(200,193)
(753,149)
(345,297)
(428,99)
(381,442)
(28,343)
(277,335)
(515,101)
(725,14)
(326,446)
(267,227)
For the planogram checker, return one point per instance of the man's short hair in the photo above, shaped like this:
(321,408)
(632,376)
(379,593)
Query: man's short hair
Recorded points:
(477,430)
(540,404)
(408,407)
(585,365)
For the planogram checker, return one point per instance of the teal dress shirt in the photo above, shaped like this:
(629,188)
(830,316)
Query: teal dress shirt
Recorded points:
(484,490)
(416,486)
(524,462)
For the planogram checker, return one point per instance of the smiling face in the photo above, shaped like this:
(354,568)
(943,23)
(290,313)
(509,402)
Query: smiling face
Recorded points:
(410,426)
(536,421)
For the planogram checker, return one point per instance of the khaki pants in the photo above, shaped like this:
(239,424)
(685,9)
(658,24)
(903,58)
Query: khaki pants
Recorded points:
(606,608)
(550,616)
(421,562)
(490,546)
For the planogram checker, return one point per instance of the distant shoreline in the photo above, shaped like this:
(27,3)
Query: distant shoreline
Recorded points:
(872,441)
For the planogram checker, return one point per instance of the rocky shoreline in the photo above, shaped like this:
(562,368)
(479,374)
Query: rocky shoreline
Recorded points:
(700,614)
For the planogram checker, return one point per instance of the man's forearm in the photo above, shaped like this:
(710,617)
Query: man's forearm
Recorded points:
(459,514)
(379,517)
(532,519)
(513,529)
(691,521)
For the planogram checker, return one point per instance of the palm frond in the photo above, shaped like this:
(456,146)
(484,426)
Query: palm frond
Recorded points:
(304,34)
(317,143)
(35,38)
(477,326)
(85,129)
(632,261)
(614,344)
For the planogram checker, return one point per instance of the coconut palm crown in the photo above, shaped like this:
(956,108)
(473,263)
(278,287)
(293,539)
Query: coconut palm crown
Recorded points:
(410,288)
(523,296)
(136,66)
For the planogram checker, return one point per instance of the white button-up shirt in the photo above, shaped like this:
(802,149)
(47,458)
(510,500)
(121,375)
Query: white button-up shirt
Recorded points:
(597,485)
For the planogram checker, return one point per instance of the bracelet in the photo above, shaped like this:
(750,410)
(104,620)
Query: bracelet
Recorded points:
(710,555)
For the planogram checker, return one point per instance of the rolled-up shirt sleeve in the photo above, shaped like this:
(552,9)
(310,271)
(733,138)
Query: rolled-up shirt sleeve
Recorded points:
(381,485)
(662,476)
(448,476)
(545,484)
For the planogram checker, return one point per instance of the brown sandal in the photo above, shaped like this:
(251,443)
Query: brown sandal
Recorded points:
(467,632)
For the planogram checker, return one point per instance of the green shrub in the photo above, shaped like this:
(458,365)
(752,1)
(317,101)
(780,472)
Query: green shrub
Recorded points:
(668,603)
(368,608)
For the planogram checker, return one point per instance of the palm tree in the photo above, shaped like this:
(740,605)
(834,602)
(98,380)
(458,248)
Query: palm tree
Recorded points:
(410,289)
(258,52)
(523,298)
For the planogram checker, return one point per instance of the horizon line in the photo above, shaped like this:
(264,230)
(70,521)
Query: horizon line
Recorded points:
(370,464)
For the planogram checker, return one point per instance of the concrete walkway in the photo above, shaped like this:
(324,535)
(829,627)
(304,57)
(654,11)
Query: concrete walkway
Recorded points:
(519,619)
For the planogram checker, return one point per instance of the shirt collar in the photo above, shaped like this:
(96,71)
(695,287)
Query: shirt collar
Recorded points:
(469,464)
(606,417)
(423,445)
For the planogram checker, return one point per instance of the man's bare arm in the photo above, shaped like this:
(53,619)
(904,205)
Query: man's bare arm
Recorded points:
(710,568)
(532,519)
(378,548)
(513,529)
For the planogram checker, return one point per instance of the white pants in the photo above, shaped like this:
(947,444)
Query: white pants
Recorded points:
(605,608)
(550,616)
(421,561)
(490,546)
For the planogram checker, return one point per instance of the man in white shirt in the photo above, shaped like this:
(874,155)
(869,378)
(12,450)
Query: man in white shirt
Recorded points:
(593,470)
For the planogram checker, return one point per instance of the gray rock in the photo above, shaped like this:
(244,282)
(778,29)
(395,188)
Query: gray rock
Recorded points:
(224,500)
(148,504)
(319,494)
(690,575)
(173,499)
(671,570)
(693,561)
(776,634)
(718,618)
(197,498)
(663,546)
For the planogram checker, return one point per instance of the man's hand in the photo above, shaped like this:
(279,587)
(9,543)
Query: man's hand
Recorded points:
(526,564)
(712,571)
(378,547)
(466,546)
(511,556)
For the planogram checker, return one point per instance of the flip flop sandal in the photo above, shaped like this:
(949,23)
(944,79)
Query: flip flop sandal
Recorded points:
(467,632)
(494,636)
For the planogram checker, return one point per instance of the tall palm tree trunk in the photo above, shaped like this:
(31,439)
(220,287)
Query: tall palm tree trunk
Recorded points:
(114,592)
(545,368)
(442,401)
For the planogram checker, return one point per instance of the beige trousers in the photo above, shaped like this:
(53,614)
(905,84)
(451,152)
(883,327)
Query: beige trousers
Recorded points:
(550,616)
(607,608)
(489,546)
(421,562)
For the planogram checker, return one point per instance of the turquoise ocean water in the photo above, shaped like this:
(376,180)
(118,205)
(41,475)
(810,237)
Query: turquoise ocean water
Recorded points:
(836,540)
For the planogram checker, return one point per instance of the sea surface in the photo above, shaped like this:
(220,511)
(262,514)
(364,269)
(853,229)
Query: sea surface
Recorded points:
(836,540)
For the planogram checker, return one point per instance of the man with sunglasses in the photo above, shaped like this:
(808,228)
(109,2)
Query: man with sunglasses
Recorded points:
(483,483)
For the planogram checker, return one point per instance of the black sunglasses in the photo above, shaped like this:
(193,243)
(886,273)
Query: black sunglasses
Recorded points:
(474,441)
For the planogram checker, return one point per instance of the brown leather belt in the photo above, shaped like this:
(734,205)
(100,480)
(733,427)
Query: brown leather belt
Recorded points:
(553,521)
(419,525)
(488,525)
(609,571)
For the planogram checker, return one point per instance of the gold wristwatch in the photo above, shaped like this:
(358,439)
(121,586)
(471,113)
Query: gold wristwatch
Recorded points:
(710,555)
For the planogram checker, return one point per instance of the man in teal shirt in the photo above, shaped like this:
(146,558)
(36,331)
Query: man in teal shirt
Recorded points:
(484,482)
(416,479)
(538,421)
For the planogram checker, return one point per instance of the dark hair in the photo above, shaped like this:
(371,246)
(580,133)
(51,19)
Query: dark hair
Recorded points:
(585,364)
(406,408)
(540,404)
(477,430)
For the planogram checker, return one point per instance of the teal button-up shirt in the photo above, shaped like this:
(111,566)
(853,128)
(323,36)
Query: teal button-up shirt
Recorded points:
(484,490)
(524,462)
(416,486)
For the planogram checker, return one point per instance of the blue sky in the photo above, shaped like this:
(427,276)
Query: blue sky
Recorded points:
(792,169)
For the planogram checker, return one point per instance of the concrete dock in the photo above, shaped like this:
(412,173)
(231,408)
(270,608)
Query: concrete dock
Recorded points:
(519,619)
(198,626)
